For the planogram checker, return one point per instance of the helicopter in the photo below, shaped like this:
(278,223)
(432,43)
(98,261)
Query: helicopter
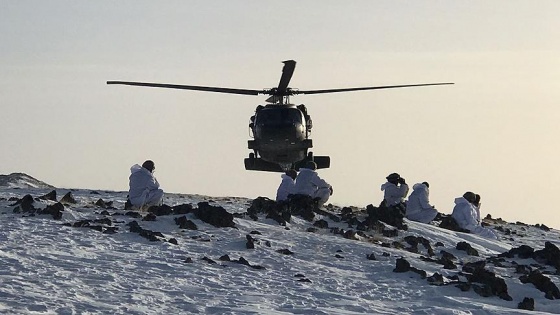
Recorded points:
(280,130)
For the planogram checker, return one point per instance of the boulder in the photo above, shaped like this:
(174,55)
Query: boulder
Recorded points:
(214,215)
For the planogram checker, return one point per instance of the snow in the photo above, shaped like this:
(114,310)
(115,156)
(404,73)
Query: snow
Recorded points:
(48,268)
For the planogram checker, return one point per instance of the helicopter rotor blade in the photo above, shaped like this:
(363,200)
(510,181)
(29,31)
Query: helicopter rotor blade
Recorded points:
(191,87)
(287,72)
(365,88)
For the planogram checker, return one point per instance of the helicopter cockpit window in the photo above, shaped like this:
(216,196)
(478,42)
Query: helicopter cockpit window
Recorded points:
(279,116)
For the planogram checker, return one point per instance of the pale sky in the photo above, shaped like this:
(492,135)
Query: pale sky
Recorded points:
(494,132)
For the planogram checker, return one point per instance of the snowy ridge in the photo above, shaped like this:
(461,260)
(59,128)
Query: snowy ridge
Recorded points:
(21,180)
(50,268)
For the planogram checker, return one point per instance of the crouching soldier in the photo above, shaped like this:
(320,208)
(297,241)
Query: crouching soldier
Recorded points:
(418,207)
(395,190)
(309,183)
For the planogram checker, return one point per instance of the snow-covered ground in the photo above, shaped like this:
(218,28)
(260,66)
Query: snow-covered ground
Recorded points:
(49,268)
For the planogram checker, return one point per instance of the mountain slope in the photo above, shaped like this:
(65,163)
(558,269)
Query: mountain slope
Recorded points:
(71,265)
(21,180)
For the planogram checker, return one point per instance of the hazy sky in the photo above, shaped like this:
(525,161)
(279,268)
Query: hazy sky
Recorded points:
(494,132)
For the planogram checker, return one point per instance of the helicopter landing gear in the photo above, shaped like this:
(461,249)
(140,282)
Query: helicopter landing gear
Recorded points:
(257,164)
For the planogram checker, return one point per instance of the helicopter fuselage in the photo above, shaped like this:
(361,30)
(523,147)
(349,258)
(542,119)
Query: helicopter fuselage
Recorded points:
(281,134)
(280,130)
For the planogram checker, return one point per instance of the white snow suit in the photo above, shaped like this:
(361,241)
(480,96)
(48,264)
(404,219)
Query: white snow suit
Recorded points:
(418,207)
(144,188)
(309,183)
(394,194)
(286,188)
(465,215)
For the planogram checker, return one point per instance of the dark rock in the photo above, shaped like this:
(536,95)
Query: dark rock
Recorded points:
(523,251)
(250,242)
(447,263)
(303,206)
(467,248)
(285,251)
(311,229)
(299,275)
(149,217)
(267,244)
(160,210)
(543,283)
(133,214)
(390,233)
(98,228)
(185,223)
(549,255)
(484,290)
(147,234)
(542,227)
(351,235)
(104,212)
(491,284)
(68,198)
(188,260)
(101,203)
(388,215)
(303,280)
(371,256)
(336,230)
(439,244)
(208,260)
(128,205)
(470,267)
(402,265)
(397,245)
(55,210)
(527,304)
(173,241)
(523,269)
(447,222)
(435,279)
(224,258)
(25,204)
(182,209)
(49,196)
(214,215)
(339,256)
(276,211)
(243,261)
(255,233)
(105,221)
(447,255)
(322,224)
(464,286)
(110,230)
